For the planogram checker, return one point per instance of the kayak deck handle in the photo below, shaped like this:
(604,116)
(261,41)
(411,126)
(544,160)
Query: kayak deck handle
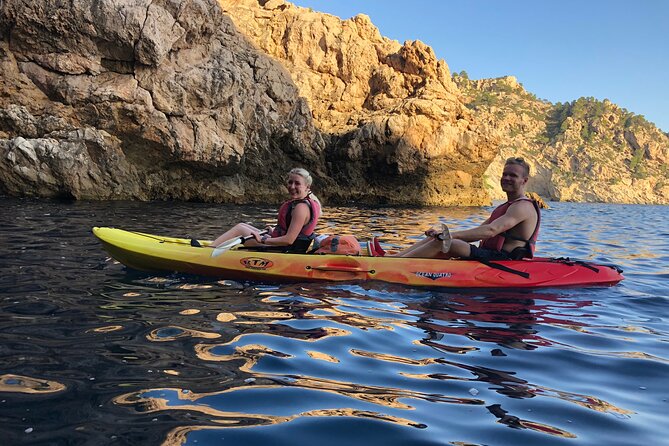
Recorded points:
(342,268)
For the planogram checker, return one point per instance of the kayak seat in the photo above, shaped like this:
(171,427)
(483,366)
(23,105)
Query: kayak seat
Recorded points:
(520,253)
(300,246)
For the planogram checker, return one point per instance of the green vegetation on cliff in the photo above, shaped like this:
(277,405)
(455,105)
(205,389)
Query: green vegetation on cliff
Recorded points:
(583,150)
(493,92)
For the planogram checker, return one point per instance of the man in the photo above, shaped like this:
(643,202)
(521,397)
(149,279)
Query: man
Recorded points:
(509,233)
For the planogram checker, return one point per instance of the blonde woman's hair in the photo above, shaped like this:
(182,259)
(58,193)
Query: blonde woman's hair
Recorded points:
(303,173)
(308,181)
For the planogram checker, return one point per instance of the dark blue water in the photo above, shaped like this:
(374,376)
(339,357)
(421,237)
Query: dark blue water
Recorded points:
(93,354)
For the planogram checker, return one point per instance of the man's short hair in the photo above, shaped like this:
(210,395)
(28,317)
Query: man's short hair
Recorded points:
(519,162)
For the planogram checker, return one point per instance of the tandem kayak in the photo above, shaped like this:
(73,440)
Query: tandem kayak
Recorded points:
(153,253)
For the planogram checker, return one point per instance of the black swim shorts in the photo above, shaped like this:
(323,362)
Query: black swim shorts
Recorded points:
(487,254)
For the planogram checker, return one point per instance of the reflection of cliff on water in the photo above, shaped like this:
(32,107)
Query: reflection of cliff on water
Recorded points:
(506,318)
(396,227)
(308,344)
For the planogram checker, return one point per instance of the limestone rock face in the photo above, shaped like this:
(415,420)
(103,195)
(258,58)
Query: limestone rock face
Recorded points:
(215,100)
(139,99)
(585,150)
(144,100)
(400,131)
(79,163)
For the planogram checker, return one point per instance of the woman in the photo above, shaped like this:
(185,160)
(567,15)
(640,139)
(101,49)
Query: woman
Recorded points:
(297,219)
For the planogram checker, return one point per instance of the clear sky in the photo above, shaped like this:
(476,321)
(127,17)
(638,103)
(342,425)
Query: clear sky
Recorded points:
(559,50)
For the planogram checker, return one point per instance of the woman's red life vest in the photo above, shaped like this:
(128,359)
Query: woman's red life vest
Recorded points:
(497,242)
(285,216)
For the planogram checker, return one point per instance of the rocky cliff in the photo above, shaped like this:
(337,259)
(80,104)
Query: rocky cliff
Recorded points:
(215,101)
(399,126)
(142,99)
(584,150)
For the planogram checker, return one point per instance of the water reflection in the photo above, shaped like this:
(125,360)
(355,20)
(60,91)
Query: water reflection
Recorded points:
(407,225)
(125,358)
(166,334)
(519,423)
(274,363)
(507,319)
(26,384)
(180,435)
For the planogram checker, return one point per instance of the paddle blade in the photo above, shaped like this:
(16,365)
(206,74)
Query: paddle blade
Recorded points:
(445,238)
(217,251)
(226,246)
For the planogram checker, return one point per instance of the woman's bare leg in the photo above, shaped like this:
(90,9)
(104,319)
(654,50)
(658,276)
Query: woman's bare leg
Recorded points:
(239,230)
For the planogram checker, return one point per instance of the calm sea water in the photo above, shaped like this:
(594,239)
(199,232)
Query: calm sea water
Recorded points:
(93,354)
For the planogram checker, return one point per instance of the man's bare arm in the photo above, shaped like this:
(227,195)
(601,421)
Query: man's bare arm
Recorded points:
(516,214)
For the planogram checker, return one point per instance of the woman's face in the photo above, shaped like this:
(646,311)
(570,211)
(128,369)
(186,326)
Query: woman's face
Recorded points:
(297,186)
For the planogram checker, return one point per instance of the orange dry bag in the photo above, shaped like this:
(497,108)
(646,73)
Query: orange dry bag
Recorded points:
(339,244)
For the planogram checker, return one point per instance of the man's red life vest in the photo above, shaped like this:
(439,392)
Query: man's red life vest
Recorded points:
(497,242)
(285,216)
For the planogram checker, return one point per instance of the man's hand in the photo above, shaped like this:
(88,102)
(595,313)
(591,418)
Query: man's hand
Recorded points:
(432,232)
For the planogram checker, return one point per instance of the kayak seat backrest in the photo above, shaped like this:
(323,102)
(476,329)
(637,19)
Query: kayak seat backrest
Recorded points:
(521,252)
(300,246)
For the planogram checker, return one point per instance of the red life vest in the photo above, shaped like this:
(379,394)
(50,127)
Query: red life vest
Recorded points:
(497,242)
(285,216)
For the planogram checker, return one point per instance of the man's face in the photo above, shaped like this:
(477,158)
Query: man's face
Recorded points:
(513,178)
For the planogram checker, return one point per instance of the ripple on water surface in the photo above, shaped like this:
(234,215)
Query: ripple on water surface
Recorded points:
(128,358)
